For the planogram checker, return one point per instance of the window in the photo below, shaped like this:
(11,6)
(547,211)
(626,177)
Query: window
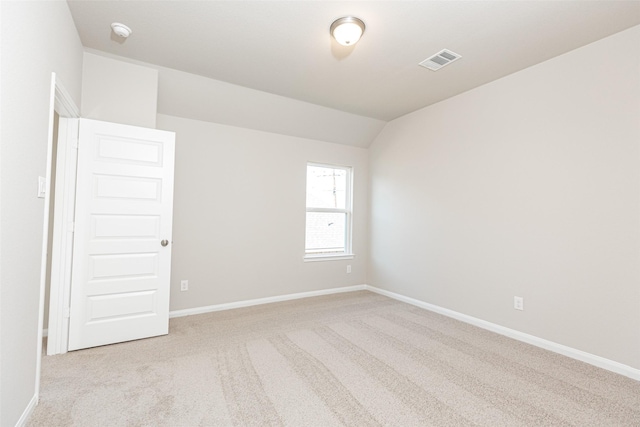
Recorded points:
(328,231)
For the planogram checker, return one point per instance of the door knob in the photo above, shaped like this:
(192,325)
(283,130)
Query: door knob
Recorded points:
(164,242)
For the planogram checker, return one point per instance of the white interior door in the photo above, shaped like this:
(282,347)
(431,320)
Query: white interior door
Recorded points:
(122,239)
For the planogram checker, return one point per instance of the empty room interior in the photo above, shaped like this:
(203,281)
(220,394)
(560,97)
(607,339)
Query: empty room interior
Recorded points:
(313,213)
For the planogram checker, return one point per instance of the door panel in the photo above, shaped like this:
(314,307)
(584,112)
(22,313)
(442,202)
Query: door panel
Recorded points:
(121,306)
(124,198)
(125,227)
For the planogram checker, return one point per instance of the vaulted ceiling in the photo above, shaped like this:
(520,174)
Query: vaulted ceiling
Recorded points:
(284,47)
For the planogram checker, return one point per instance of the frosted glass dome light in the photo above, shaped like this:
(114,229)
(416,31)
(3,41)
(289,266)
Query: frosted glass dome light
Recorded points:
(347,30)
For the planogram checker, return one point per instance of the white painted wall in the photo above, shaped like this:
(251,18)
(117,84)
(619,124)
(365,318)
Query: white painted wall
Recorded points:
(37,38)
(527,186)
(239,214)
(119,92)
(188,95)
(191,96)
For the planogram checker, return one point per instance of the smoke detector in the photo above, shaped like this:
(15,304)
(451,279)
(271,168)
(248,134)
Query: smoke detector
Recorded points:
(121,30)
(440,59)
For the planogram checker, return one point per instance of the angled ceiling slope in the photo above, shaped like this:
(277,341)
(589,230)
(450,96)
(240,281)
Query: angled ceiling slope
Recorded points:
(284,47)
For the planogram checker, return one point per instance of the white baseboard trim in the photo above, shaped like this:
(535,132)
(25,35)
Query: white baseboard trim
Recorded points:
(583,356)
(28,411)
(259,301)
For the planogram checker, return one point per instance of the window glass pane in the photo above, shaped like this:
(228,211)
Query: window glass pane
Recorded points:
(326,187)
(325,232)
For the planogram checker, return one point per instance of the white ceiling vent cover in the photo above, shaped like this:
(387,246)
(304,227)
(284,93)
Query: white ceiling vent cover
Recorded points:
(440,59)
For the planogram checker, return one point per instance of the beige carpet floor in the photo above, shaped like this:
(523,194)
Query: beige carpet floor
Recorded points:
(354,359)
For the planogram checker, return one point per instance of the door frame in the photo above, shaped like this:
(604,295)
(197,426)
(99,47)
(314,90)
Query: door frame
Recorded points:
(60,102)
(62,237)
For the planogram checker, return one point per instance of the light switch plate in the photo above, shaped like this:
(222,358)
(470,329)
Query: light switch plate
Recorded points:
(42,187)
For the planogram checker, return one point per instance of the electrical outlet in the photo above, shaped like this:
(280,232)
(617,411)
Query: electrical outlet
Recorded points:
(349,269)
(184,285)
(518,303)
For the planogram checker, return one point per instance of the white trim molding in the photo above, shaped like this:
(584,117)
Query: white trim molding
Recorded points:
(62,242)
(28,411)
(259,301)
(564,350)
(64,104)
(325,257)
(61,102)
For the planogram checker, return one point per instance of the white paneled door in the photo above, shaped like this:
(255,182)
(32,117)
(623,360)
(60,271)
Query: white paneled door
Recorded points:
(122,239)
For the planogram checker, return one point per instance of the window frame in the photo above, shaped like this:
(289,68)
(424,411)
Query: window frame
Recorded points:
(348,211)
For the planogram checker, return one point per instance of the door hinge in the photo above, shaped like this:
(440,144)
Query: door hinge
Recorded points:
(67,313)
(74,143)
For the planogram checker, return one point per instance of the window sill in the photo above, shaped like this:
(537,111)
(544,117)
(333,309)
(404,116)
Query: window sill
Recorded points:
(326,257)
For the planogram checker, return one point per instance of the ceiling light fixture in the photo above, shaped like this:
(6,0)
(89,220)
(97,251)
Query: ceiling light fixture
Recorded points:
(121,30)
(347,30)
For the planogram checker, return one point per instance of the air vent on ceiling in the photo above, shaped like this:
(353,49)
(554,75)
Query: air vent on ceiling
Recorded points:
(440,59)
